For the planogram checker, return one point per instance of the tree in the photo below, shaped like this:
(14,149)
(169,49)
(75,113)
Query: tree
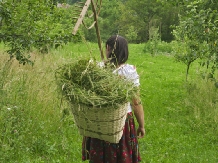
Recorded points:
(107,19)
(32,23)
(169,17)
(146,14)
(138,14)
(135,18)
(198,30)
(72,1)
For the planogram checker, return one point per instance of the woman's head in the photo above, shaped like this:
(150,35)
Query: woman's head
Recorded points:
(117,50)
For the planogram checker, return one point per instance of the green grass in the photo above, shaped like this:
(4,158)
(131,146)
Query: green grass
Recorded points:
(180,117)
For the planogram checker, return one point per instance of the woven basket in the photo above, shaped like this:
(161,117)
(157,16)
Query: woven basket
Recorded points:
(102,123)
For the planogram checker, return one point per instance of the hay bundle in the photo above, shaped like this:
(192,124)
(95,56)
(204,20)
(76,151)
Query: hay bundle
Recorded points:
(85,82)
(97,97)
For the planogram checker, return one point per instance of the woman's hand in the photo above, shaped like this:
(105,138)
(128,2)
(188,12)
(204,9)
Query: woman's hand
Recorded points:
(141,132)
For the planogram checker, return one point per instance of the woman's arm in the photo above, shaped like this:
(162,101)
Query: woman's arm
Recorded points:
(139,114)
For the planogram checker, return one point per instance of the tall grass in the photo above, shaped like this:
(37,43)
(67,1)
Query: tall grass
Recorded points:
(204,101)
(36,125)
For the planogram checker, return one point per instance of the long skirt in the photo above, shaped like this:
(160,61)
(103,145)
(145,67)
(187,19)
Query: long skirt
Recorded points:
(126,151)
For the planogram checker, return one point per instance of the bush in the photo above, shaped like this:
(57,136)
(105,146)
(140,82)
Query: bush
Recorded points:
(160,47)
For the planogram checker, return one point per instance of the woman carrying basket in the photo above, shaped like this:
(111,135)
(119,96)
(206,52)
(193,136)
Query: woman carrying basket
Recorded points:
(127,150)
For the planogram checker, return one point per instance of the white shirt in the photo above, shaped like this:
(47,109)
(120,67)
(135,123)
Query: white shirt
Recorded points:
(130,73)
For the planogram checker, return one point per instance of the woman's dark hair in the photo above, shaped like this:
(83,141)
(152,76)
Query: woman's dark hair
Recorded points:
(118,53)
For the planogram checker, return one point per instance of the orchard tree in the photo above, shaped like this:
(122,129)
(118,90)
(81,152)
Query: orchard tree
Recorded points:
(198,32)
(33,23)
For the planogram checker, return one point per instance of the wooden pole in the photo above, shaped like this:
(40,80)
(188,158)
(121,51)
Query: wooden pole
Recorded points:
(97,29)
(80,19)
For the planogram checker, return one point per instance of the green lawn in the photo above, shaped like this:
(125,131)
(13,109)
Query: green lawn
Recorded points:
(36,129)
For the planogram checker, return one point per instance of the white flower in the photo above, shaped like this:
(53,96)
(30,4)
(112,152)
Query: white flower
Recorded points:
(9,108)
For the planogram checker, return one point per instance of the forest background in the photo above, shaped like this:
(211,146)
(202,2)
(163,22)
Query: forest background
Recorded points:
(181,110)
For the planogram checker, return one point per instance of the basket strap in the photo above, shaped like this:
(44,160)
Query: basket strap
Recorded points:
(75,114)
(99,133)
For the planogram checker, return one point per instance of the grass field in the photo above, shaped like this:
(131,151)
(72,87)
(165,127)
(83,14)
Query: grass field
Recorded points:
(181,117)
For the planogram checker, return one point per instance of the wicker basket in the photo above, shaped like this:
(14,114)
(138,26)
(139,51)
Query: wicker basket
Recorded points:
(102,123)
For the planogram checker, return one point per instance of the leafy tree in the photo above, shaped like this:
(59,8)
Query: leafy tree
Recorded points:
(146,14)
(32,23)
(72,1)
(109,14)
(138,14)
(198,30)
(107,19)
(169,18)
(133,17)
(131,34)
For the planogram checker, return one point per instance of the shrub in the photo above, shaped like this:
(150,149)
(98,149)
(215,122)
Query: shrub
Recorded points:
(160,48)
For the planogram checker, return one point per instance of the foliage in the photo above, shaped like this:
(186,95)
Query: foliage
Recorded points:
(108,21)
(72,1)
(161,47)
(144,15)
(109,14)
(132,15)
(31,23)
(133,19)
(155,46)
(198,32)
(131,34)
(169,17)
(154,38)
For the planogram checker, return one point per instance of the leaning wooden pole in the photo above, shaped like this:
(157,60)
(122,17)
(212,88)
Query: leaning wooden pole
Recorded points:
(80,19)
(97,29)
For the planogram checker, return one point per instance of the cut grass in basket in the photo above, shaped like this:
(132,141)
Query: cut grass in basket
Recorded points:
(85,82)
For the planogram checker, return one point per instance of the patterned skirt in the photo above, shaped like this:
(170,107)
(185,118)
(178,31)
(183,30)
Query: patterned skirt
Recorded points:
(126,151)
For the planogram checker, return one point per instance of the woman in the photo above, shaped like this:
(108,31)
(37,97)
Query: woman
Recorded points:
(127,150)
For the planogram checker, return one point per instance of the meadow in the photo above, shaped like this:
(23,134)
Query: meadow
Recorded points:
(36,126)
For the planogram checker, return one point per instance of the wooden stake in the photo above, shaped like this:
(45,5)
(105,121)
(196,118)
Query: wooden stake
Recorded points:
(80,19)
(97,29)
